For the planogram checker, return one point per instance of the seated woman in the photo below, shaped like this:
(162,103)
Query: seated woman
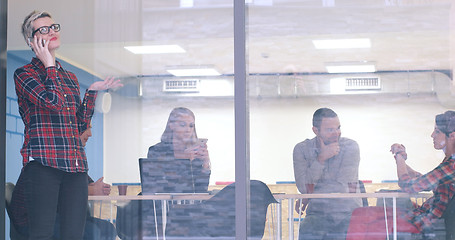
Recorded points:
(440,180)
(179,141)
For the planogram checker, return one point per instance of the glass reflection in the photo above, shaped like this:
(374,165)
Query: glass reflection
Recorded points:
(409,48)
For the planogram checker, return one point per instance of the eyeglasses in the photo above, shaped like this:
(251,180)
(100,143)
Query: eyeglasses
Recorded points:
(45,29)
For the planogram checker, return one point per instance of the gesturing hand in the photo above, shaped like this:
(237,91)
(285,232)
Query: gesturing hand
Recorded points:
(399,149)
(327,151)
(108,83)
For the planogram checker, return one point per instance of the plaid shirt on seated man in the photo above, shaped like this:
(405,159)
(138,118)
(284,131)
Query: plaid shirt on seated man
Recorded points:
(441,181)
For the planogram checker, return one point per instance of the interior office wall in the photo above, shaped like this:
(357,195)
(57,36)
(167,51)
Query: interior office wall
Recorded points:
(133,125)
(374,120)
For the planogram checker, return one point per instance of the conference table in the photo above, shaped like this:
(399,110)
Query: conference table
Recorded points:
(291,198)
(281,198)
(163,199)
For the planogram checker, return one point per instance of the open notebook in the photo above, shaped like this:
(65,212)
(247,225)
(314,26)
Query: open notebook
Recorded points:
(168,176)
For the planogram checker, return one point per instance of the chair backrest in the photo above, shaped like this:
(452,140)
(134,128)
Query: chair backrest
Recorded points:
(449,219)
(14,234)
(9,188)
(216,217)
(362,190)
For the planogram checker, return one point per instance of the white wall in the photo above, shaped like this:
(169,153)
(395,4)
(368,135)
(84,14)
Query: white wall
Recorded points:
(133,125)
(375,121)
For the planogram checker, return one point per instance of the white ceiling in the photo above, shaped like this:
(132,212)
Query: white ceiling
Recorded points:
(406,35)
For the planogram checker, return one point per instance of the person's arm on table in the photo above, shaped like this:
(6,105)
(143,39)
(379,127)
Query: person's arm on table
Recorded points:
(99,188)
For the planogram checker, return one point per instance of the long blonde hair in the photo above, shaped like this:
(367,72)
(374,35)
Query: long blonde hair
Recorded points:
(175,114)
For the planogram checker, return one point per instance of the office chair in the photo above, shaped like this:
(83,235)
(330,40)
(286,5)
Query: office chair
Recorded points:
(449,220)
(14,234)
(362,190)
(215,217)
(442,229)
(129,221)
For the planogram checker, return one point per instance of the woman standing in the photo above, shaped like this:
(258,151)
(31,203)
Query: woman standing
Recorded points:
(55,165)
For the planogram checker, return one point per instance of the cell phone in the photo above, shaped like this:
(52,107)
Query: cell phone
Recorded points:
(44,42)
(202,140)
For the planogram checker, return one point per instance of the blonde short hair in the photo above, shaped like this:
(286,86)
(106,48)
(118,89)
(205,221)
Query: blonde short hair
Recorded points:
(27,26)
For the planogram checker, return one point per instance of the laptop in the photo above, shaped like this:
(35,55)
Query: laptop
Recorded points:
(169,176)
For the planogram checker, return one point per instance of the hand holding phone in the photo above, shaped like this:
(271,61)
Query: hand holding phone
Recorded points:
(202,141)
(41,49)
(201,147)
(203,153)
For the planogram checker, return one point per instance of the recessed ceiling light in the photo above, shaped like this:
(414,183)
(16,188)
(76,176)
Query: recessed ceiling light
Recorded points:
(155,49)
(351,68)
(263,2)
(186,3)
(328,3)
(342,43)
(194,72)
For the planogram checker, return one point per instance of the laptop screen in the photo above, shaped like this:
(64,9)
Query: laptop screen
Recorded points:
(167,176)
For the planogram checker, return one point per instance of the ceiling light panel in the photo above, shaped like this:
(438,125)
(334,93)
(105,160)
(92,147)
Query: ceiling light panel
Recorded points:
(342,43)
(186,3)
(351,69)
(194,72)
(155,49)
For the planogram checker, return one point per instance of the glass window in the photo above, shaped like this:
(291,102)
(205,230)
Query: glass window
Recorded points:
(383,66)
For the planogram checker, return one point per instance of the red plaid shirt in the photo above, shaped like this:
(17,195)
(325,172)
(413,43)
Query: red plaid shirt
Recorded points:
(51,109)
(441,180)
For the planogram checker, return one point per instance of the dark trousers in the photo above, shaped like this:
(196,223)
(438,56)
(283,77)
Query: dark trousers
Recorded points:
(48,190)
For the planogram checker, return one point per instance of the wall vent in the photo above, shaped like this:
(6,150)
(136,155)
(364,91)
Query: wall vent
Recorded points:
(182,85)
(362,83)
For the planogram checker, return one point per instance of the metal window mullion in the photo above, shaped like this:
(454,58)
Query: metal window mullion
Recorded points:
(3,78)
(242,164)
